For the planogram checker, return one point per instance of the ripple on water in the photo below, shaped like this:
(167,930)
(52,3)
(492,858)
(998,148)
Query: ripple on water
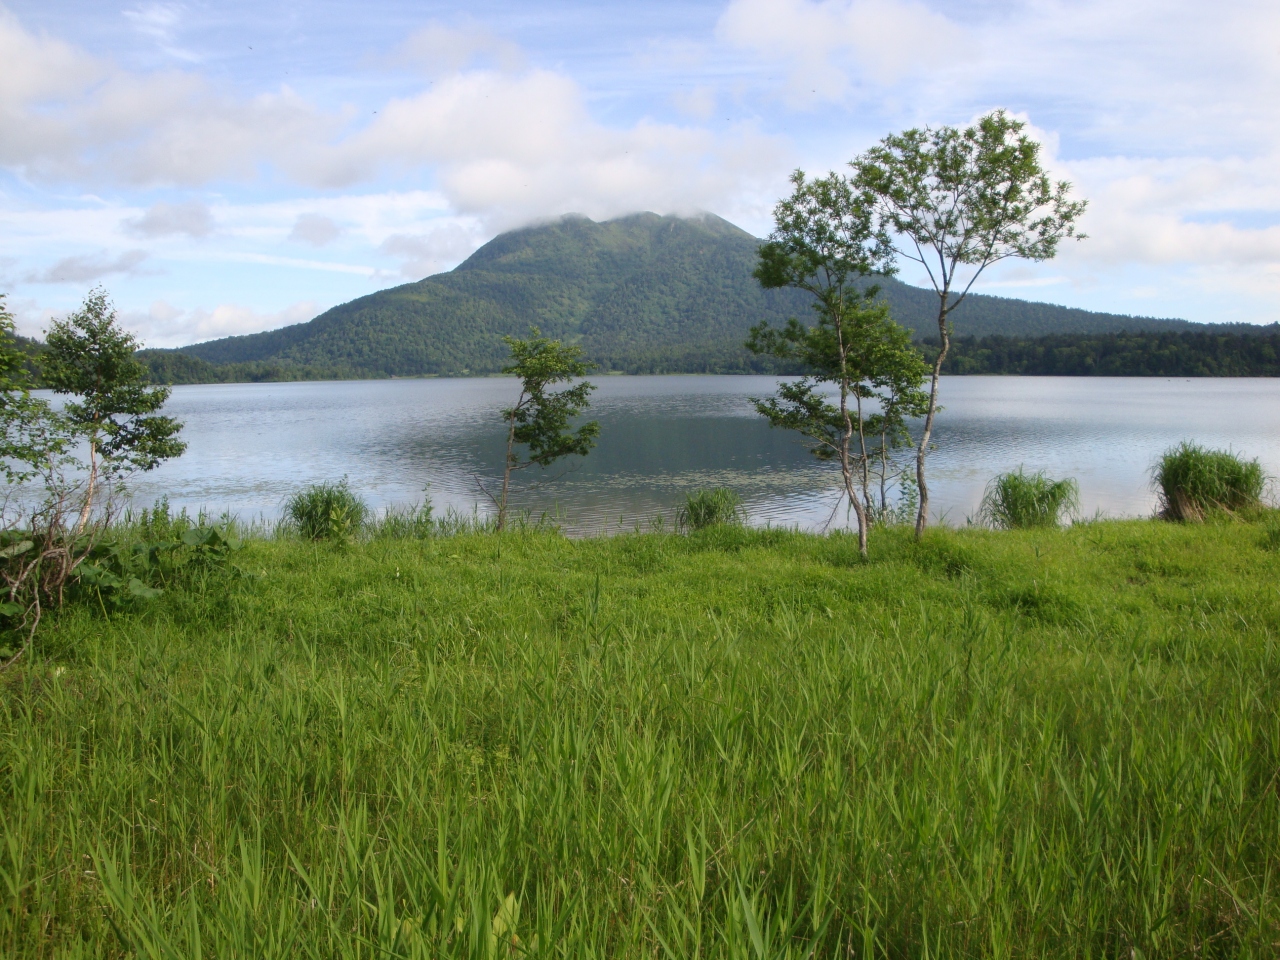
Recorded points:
(251,445)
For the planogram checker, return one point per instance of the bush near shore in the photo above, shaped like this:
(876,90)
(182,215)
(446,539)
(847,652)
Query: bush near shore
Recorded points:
(740,743)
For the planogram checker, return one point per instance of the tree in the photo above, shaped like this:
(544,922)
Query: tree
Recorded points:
(960,201)
(900,370)
(539,421)
(825,241)
(32,436)
(90,357)
(35,558)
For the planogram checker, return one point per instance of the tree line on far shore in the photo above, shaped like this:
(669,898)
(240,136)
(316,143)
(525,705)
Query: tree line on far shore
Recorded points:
(1140,354)
(1237,353)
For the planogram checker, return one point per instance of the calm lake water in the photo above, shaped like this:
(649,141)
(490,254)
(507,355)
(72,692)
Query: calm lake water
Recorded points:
(250,445)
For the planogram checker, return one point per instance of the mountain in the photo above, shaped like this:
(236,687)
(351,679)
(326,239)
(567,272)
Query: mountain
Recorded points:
(642,293)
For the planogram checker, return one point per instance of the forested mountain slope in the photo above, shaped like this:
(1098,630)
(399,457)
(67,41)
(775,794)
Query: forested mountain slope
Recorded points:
(642,293)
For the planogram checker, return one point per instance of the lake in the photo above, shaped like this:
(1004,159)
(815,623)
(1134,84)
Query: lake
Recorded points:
(251,445)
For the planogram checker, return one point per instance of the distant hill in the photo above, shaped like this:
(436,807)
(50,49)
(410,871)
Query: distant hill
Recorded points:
(642,294)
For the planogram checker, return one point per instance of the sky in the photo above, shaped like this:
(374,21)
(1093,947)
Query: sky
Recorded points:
(228,167)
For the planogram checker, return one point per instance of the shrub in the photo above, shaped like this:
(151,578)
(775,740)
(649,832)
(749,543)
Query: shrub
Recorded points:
(1192,481)
(1019,499)
(707,508)
(326,511)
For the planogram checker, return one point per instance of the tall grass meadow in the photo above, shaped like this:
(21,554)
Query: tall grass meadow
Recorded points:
(731,743)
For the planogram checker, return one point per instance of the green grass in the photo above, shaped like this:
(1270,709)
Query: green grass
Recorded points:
(1052,743)
(1192,481)
(1021,500)
(707,508)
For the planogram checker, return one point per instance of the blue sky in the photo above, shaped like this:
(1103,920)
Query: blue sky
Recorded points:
(230,167)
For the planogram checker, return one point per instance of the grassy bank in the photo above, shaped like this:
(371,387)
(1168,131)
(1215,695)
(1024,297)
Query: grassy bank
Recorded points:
(736,743)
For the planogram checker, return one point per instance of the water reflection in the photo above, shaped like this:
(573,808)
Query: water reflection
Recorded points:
(250,445)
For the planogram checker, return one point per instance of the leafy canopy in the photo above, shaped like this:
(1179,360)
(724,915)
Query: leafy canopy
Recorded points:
(32,436)
(869,355)
(90,357)
(824,237)
(825,240)
(541,416)
(967,197)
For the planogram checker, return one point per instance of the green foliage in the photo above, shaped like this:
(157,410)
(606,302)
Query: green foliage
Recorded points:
(967,197)
(960,201)
(32,436)
(1271,532)
(142,556)
(53,540)
(327,511)
(135,561)
(172,367)
(540,418)
(640,294)
(88,356)
(1021,500)
(539,421)
(410,522)
(825,239)
(1192,481)
(1048,744)
(1236,351)
(709,508)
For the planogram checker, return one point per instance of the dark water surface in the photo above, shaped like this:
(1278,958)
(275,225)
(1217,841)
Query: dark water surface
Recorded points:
(250,445)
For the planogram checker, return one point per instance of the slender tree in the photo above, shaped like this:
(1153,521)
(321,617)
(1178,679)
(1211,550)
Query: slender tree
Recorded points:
(825,242)
(899,373)
(960,200)
(88,356)
(539,421)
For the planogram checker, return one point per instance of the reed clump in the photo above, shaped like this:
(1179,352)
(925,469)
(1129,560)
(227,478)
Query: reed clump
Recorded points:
(712,507)
(1019,500)
(327,511)
(1192,482)
(414,521)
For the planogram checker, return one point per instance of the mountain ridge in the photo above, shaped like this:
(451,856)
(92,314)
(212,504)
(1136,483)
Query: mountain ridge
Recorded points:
(641,293)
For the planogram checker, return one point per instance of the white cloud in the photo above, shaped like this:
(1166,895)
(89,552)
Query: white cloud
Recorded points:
(516,147)
(428,253)
(438,50)
(164,325)
(314,229)
(40,68)
(68,116)
(191,219)
(159,22)
(698,102)
(831,44)
(297,263)
(506,145)
(1175,212)
(247,232)
(86,268)
(30,320)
